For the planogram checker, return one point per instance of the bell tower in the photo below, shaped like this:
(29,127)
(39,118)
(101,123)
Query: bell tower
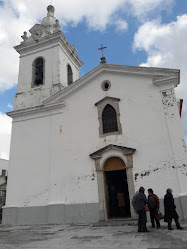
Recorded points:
(48,63)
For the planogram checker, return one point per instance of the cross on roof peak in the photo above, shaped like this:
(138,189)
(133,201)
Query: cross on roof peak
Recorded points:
(102,48)
(103,60)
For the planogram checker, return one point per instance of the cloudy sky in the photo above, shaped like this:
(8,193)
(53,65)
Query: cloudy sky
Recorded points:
(136,32)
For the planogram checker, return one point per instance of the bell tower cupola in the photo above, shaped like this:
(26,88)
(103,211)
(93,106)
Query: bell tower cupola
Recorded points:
(48,63)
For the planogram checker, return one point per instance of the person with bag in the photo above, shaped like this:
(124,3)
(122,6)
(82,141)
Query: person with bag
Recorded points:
(140,203)
(170,210)
(153,204)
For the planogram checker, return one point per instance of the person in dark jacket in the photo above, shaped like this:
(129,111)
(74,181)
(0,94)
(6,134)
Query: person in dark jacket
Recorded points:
(140,203)
(153,205)
(170,210)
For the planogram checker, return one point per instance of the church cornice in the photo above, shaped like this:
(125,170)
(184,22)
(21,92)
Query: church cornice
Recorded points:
(32,110)
(50,40)
(155,73)
(174,79)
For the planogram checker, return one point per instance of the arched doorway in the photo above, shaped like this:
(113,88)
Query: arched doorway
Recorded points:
(116,188)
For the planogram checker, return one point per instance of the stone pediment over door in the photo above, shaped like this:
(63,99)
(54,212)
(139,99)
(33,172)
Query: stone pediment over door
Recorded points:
(125,152)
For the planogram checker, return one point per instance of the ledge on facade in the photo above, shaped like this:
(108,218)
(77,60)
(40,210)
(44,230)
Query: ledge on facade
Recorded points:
(174,79)
(35,109)
(99,152)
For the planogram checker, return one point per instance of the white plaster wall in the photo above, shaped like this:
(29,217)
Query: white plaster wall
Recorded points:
(50,155)
(40,163)
(143,128)
(177,141)
(28,181)
(34,97)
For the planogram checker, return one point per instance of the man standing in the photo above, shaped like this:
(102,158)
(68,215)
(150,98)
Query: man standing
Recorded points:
(170,210)
(140,204)
(153,205)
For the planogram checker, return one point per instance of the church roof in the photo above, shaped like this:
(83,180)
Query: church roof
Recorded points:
(160,76)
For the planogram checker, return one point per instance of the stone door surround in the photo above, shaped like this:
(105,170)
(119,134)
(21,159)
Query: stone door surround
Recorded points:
(100,157)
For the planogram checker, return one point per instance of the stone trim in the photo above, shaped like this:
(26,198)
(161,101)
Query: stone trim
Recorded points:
(127,157)
(125,150)
(114,102)
(106,99)
(174,79)
(103,85)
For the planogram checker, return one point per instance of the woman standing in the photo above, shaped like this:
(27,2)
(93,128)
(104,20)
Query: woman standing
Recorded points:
(170,210)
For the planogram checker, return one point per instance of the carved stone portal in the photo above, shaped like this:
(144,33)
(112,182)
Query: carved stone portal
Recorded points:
(100,157)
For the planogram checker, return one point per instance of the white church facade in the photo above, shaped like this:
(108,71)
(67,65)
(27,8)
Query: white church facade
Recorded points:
(76,142)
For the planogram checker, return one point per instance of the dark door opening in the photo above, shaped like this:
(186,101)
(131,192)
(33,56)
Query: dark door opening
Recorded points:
(117,194)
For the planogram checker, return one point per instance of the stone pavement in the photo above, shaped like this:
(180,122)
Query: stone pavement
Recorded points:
(90,237)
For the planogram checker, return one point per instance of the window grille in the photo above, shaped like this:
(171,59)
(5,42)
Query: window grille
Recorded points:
(109,119)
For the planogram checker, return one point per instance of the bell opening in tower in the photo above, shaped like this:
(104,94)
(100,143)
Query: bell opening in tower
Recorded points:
(38,71)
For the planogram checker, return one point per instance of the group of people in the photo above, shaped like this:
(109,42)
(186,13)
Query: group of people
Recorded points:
(142,204)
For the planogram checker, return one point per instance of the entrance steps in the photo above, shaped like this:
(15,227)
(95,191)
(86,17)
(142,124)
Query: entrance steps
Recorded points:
(116,222)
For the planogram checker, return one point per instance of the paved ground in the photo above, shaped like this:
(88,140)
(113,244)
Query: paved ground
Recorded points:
(90,237)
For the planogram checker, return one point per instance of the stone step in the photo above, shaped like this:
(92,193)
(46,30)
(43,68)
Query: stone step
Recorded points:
(116,222)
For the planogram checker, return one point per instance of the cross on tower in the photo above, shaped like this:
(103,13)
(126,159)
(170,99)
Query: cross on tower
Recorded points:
(102,48)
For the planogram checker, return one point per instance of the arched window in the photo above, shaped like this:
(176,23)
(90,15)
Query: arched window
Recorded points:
(38,72)
(70,75)
(109,119)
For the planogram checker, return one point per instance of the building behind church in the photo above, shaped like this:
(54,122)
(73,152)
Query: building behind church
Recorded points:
(78,142)
(3,183)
